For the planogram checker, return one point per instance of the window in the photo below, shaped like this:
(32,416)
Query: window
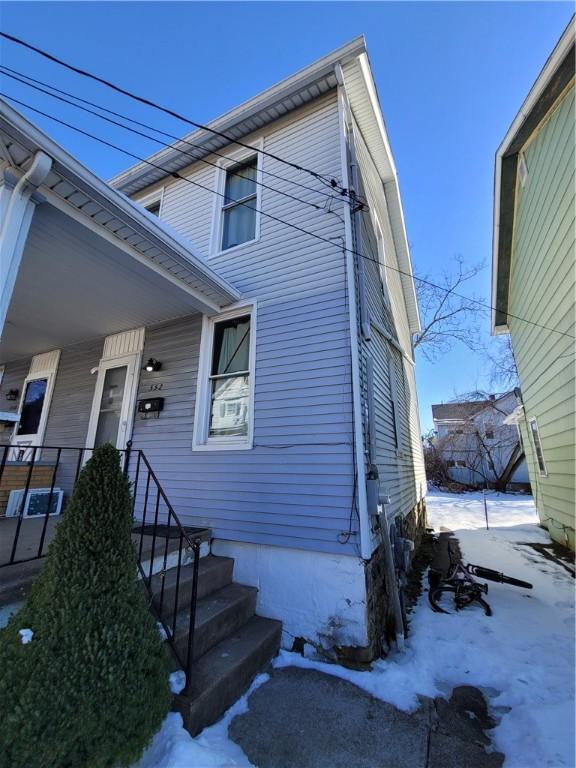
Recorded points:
(460,463)
(451,463)
(152,202)
(381,258)
(537,446)
(154,208)
(240,203)
(489,434)
(225,382)
(32,405)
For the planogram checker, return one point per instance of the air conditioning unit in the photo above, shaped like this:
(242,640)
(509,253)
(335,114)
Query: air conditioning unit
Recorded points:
(36,503)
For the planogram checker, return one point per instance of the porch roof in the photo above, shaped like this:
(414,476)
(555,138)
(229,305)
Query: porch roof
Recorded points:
(74,190)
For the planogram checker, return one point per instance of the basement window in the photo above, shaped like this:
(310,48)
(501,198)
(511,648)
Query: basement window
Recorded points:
(535,433)
(224,411)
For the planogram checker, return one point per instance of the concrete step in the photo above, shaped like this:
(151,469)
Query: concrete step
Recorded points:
(217,616)
(223,674)
(213,574)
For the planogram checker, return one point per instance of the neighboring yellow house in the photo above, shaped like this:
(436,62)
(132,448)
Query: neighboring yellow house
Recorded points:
(533,281)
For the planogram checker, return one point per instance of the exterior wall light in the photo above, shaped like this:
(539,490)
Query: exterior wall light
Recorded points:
(153,365)
(12,394)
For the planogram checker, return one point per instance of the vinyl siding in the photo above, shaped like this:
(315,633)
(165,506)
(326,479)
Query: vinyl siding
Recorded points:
(542,289)
(399,459)
(294,488)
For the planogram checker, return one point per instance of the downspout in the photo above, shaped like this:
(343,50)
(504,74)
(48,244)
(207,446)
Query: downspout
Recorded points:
(15,226)
(365,532)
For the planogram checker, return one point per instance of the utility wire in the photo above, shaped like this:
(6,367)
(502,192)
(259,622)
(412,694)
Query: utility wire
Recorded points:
(23,78)
(330,182)
(158,141)
(176,175)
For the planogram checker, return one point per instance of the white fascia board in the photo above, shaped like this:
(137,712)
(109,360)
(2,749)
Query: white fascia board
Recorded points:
(227,122)
(70,169)
(393,197)
(548,70)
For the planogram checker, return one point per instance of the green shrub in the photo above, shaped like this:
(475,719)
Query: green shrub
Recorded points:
(91,688)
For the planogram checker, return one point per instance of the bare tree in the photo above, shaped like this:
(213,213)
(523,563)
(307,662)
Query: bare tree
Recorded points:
(447,316)
(503,364)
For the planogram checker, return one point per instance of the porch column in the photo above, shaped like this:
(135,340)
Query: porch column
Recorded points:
(19,198)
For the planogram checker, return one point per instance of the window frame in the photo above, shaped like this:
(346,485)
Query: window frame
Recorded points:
(217,232)
(381,249)
(542,471)
(150,199)
(201,440)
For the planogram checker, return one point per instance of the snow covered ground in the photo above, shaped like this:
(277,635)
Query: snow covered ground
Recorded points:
(522,657)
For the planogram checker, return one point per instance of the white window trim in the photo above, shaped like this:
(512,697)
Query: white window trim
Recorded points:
(200,439)
(240,156)
(532,420)
(151,198)
(381,247)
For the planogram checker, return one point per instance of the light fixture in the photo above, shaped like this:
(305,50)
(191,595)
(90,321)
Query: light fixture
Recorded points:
(152,365)
(12,394)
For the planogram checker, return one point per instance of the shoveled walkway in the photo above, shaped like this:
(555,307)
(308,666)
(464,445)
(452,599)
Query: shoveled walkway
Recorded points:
(302,718)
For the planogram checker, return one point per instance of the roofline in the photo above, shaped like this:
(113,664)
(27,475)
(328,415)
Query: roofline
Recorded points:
(507,153)
(79,174)
(229,121)
(401,239)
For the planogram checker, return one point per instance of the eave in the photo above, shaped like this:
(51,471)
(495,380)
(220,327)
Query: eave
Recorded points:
(549,88)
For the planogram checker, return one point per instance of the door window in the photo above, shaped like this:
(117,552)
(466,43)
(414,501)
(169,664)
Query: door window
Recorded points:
(32,406)
(110,413)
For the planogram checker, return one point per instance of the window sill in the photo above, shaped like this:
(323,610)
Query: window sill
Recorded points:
(234,248)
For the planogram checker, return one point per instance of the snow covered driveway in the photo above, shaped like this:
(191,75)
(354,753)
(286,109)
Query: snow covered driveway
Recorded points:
(524,653)
(522,657)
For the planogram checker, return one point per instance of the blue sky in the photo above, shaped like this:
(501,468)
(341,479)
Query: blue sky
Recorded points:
(450,76)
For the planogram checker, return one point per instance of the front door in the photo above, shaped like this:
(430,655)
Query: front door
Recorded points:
(114,401)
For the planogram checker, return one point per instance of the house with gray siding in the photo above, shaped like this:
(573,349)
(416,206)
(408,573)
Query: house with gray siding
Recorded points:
(243,323)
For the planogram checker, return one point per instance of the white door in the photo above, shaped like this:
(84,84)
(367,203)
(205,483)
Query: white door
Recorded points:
(112,413)
(35,405)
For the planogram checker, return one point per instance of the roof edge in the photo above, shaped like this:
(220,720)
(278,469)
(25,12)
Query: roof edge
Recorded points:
(75,171)
(227,121)
(506,162)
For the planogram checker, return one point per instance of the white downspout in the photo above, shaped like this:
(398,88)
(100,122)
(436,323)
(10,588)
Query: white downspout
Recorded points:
(15,226)
(365,533)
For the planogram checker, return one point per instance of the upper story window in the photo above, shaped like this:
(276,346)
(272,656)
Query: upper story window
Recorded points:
(240,203)
(154,208)
(152,202)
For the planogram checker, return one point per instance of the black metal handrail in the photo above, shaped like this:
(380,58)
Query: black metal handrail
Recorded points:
(162,542)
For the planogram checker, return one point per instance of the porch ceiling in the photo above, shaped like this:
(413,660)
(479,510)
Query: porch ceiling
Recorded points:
(73,285)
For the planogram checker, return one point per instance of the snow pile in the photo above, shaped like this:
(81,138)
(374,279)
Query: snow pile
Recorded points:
(522,657)
(173,747)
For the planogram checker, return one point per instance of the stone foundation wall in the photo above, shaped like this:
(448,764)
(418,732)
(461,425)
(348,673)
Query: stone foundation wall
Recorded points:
(379,606)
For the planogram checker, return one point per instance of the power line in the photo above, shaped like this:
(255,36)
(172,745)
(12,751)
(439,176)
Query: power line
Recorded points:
(158,141)
(23,78)
(148,102)
(176,175)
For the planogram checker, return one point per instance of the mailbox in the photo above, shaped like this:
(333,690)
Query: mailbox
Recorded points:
(151,405)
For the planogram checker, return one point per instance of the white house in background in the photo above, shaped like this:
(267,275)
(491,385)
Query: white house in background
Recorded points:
(283,356)
(479,448)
